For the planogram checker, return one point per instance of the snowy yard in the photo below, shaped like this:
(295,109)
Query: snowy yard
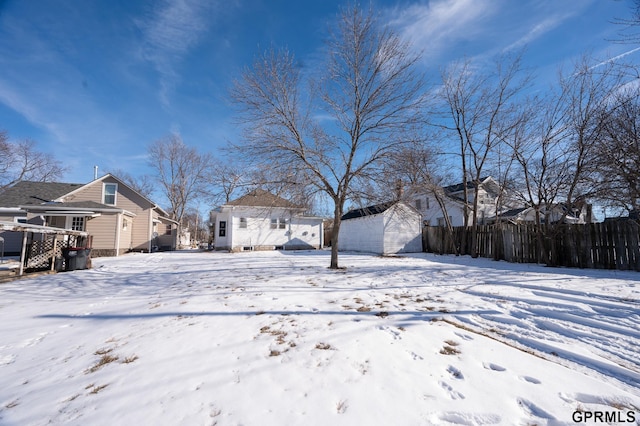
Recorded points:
(276,338)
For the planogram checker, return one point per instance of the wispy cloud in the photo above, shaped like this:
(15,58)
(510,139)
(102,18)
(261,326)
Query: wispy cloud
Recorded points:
(173,28)
(441,23)
(537,30)
(483,28)
(545,17)
(617,57)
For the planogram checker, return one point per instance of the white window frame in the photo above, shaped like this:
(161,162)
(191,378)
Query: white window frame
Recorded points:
(73,221)
(104,193)
(278,223)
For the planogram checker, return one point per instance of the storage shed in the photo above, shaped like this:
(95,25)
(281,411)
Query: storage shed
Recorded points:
(387,228)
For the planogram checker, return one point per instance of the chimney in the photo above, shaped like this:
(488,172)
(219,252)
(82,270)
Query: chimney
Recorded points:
(95,172)
(399,190)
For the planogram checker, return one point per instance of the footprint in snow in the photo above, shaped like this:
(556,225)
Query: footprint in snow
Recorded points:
(394,333)
(494,367)
(7,359)
(464,336)
(32,341)
(455,373)
(454,394)
(415,356)
(467,419)
(530,379)
(533,410)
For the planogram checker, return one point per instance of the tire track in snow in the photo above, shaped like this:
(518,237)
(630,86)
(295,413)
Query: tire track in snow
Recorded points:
(596,333)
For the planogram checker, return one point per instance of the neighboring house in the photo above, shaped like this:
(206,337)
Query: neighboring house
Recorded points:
(558,212)
(433,215)
(261,220)
(118,218)
(386,228)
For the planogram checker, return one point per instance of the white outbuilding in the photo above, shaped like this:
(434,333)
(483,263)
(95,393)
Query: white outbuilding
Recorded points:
(387,228)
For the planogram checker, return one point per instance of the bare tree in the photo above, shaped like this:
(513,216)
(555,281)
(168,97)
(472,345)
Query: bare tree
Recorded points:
(22,161)
(368,92)
(618,159)
(557,146)
(481,113)
(182,172)
(142,184)
(196,225)
(227,178)
(629,32)
(419,169)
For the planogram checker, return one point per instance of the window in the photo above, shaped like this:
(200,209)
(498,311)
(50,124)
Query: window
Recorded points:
(109,193)
(125,224)
(243,222)
(418,204)
(222,229)
(278,223)
(427,203)
(77,223)
(168,229)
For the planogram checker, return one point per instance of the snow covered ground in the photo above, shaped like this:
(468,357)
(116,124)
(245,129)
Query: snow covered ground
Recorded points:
(276,338)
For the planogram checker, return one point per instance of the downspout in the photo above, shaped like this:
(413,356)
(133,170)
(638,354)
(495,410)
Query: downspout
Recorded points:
(150,231)
(118,230)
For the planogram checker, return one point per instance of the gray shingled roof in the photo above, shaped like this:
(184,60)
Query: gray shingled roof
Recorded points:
(368,211)
(33,193)
(460,186)
(262,198)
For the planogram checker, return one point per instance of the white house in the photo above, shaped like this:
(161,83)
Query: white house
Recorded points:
(261,220)
(580,214)
(387,228)
(433,214)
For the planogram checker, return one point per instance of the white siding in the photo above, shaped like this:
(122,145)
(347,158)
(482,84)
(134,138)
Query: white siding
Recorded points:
(402,231)
(397,230)
(251,228)
(363,234)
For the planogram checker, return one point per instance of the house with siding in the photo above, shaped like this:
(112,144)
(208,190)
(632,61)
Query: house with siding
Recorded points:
(387,228)
(118,218)
(453,203)
(261,220)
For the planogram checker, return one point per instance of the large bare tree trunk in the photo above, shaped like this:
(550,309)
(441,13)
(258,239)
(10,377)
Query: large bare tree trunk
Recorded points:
(369,87)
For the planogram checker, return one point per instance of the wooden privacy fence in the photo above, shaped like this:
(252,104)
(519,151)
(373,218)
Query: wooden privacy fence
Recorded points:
(606,245)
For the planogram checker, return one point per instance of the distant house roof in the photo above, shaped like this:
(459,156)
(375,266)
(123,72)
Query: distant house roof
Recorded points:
(368,211)
(33,193)
(513,212)
(262,198)
(460,186)
(27,193)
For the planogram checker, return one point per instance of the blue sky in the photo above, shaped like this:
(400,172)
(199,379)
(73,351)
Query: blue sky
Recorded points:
(95,82)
